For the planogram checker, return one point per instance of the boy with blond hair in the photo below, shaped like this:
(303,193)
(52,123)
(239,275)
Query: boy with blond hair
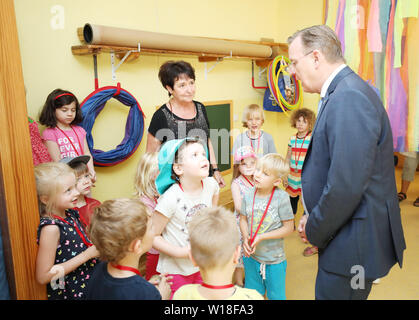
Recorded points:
(122,231)
(266,218)
(215,249)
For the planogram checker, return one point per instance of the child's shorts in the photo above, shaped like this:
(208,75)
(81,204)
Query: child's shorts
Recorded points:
(263,277)
(180,280)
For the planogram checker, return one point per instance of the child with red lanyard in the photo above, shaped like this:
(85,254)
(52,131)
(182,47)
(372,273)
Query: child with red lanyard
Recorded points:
(243,170)
(122,230)
(266,218)
(215,248)
(185,188)
(145,190)
(303,120)
(63,137)
(260,141)
(85,204)
(65,253)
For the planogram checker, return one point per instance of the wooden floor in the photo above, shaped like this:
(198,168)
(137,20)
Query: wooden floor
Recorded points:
(398,284)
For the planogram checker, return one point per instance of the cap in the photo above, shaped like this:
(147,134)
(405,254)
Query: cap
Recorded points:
(74,161)
(166,158)
(243,153)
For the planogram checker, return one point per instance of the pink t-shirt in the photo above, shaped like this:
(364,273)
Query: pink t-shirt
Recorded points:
(67,140)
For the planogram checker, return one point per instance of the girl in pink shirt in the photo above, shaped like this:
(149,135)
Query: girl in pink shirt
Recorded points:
(63,137)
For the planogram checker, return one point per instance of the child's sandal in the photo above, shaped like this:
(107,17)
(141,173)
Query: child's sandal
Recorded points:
(402,196)
(416,203)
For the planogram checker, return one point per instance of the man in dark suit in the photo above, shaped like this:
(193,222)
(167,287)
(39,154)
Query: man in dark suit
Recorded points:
(349,189)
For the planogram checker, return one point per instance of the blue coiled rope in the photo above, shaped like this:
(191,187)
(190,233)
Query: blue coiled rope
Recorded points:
(93,104)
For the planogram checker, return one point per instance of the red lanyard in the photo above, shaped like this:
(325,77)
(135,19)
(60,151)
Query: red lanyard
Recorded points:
(226,286)
(247,180)
(70,140)
(251,143)
(125,268)
(252,238)
(180,186)
(299,154)
(83,238)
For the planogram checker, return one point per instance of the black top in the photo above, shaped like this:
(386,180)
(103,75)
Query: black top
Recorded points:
(165,125)
(102,286)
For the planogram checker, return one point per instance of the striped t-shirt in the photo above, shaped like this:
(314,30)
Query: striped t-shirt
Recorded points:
(299,148)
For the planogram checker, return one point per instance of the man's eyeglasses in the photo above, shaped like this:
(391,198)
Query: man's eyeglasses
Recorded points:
(294,63)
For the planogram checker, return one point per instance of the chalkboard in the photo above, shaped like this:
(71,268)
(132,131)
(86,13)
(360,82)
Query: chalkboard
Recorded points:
(220,119)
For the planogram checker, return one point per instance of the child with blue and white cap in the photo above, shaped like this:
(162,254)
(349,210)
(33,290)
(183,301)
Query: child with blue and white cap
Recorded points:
(185,188)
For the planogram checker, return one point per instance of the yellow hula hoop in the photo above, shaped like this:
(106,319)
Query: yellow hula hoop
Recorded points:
(283,103)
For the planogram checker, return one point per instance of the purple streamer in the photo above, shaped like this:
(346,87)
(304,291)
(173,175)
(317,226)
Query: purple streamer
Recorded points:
(397,106)
(340,25)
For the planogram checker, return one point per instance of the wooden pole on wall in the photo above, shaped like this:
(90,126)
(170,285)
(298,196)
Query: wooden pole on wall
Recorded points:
(19,215)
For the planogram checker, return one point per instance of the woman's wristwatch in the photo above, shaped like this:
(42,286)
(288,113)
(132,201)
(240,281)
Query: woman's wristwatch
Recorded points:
(215,169)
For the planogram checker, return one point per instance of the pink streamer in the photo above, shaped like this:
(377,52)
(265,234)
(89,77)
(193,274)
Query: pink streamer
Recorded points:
(373,33)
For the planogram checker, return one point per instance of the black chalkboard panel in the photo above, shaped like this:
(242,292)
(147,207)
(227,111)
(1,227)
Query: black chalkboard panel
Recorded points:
(220,119)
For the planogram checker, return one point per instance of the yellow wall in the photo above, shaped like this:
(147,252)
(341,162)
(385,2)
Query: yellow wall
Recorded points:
(48,62)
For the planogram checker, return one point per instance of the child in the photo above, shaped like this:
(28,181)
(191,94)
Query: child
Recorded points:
(122,230)
(261,142)
(85,205)
(145,190)
(185,188)
(303,120)
(215,249)
(243,170)
(63,137)
(266,218)
(64,250)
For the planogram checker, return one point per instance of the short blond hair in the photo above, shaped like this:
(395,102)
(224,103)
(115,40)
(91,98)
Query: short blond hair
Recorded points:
(115,224)
(214,236)
(322,38)
(249,110)
(48,182)
(143,182)
(273,164)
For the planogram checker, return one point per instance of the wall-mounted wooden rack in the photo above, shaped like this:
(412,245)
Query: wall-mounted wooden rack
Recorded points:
(134,52)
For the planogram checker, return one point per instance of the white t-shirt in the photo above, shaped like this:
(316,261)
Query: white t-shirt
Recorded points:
(180,208)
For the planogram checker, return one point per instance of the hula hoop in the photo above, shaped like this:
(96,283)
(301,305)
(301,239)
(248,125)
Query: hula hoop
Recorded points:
(273,77)
(93,104)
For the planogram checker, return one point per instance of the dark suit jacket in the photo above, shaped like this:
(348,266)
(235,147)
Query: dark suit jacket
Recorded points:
(348,182)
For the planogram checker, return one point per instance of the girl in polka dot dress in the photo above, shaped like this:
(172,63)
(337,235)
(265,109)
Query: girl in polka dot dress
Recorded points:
(66,256)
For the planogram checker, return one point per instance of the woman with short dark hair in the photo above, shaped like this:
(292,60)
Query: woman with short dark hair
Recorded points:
(181,116)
